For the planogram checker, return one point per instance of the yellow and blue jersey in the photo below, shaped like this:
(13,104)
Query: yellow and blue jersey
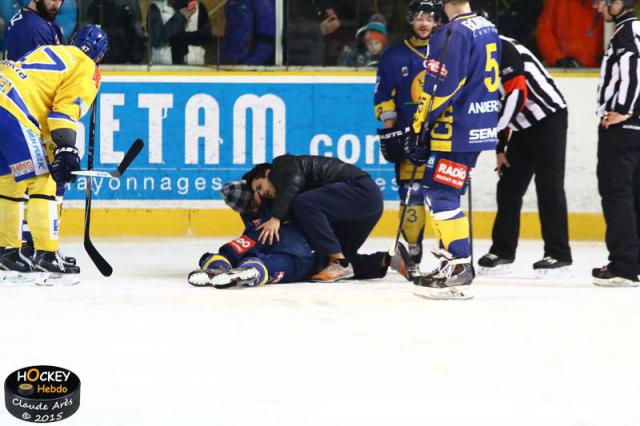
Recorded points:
(50,88)
(399,82)
(467,103)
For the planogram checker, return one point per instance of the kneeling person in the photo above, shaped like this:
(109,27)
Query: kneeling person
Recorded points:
(245,261)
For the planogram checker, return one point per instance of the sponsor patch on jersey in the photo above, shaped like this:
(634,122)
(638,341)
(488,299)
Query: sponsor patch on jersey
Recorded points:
(450,173)
(22,168)
(433,66)
(242,244)
(484,107)
(405,71)
(482,135)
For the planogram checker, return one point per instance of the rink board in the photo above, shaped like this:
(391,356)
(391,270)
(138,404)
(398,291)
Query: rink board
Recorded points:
(205,128)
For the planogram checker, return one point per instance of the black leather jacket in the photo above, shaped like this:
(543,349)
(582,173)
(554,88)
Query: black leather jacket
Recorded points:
(293,174)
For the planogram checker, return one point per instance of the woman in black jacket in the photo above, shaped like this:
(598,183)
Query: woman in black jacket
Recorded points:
(335,203)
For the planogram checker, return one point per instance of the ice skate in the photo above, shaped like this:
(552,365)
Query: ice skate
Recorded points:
(11,259)
(550,267)
(491,264)
(334,271)
(402,263)
(603,277)
(225,278)
(449,282)
(415,252)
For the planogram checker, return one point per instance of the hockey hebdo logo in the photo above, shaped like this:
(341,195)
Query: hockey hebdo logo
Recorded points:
(42,394)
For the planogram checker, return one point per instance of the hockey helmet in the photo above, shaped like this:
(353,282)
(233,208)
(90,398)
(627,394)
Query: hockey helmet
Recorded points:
(430,7)
(92,40)
(625,3)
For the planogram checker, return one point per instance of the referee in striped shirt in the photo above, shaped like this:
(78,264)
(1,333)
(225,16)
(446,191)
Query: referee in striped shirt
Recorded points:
(534,122)
(619,145)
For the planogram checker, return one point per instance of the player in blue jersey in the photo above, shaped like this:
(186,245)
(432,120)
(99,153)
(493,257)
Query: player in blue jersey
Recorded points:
(245,261)
(463,71)
(32,27)
(401,72)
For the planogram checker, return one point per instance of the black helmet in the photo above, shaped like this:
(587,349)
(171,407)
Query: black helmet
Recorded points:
(431,7)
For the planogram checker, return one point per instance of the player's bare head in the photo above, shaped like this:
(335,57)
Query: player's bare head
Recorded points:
(423,16)
(453,8)
(610,9)
(258,179)
(48,9)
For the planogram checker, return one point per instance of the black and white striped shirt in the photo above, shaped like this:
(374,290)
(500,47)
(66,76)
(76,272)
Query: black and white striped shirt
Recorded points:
(543,96)
(619,89)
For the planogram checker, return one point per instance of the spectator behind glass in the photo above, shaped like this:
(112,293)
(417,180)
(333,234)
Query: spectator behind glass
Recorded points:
(35,26)
(68,19)
(120,19)
(249,35)
(371,40)
(570,34)
(179,31)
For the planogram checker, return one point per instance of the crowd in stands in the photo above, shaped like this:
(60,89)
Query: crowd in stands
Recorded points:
(354,33)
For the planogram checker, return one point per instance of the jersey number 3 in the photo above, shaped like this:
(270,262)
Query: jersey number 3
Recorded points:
(493,68)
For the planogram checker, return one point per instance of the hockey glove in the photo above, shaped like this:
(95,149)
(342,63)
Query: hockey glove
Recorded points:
(65,161)
(391,141)
(415,151)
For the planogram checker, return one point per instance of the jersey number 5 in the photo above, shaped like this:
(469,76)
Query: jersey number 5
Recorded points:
(493,68)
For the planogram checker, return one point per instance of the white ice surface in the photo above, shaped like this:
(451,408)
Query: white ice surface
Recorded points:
(152,350)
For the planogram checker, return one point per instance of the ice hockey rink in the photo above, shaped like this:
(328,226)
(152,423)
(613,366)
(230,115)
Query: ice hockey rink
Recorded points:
(152,350)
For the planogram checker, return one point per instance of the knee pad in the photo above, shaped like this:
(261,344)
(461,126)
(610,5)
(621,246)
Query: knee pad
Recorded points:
(417,193)
(214,261)
(254,262)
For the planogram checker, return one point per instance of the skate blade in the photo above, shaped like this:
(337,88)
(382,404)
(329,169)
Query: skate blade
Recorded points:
(448,293)
(42,279)
(620,283)
(556,273)
(52,279)
(496,270)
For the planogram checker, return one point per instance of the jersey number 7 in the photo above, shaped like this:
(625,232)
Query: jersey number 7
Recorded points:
(493,68)
(56,64)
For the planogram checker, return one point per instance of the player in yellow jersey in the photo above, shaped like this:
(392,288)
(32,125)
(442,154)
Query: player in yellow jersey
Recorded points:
(42,97)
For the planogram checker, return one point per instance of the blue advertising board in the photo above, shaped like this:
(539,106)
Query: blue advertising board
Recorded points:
(201,131)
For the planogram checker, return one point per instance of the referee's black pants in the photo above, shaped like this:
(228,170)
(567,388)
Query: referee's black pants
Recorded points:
(539,150)
(619,187)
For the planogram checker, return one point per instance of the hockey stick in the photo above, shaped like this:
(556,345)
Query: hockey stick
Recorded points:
(100,262)
(423,135)
(470,200)
(131,155)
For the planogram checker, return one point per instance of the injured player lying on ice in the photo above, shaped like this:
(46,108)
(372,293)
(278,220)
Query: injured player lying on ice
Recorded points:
(245,262)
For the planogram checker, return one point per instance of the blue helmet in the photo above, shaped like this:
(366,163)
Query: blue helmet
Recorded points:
(92,40)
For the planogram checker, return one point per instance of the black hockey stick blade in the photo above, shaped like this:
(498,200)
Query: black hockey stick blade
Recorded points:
(130,156)
(100,262)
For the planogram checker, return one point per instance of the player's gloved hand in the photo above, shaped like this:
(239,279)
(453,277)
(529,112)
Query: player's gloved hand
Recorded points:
(415,150)
(66,159)
(391,141)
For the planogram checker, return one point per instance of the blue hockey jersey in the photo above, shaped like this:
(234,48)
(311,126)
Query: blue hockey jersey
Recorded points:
(467,103)
(26,31)
(399,82)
